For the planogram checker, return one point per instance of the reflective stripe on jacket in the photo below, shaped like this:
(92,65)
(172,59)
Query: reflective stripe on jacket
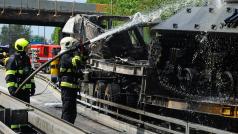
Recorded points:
(13,84)
(69,85)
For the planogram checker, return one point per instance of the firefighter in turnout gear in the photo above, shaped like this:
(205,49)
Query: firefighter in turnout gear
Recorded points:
(70,73)
(18,68)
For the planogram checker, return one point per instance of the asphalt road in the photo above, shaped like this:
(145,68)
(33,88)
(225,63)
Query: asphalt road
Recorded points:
(49,101)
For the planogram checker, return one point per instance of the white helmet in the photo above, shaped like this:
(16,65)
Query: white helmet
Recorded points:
(67,42)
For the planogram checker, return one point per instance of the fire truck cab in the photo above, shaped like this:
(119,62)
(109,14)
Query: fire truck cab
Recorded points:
(41,53)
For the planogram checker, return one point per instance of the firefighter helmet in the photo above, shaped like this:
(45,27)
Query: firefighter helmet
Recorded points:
(67,42)
(21,44)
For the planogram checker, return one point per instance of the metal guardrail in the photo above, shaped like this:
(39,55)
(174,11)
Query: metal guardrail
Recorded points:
(42,120)
(5,130)
(187,125)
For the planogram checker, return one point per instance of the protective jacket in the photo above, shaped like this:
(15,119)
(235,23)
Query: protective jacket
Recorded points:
(18,68)
(70,73)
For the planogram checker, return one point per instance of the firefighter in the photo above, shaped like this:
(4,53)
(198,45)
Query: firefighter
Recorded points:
(54,67)
(54,70)
(18,68)
(70,73)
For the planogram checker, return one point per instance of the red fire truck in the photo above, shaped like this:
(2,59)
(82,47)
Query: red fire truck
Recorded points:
(41,53)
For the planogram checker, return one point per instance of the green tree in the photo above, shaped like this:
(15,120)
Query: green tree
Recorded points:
(56,35)
(99,1)
(130,7)
(125,7)
(4,37)
(10,33)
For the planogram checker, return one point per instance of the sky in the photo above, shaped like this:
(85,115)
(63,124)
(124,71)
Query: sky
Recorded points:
(47,31)
(42,31)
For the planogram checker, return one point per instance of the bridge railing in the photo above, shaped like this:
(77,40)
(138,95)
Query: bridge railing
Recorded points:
(51,5)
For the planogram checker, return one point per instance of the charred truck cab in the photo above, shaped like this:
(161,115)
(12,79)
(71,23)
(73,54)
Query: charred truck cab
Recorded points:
(117,63)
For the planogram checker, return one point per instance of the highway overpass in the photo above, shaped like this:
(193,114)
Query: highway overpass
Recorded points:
(44,12)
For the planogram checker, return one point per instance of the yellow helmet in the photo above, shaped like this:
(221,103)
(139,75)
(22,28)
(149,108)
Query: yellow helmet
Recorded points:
(20,44)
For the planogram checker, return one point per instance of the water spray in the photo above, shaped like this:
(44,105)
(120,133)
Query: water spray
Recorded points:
(216,3)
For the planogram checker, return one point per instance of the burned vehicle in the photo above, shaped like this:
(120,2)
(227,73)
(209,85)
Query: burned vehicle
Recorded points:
(127,48)
(189,68)
(121,44)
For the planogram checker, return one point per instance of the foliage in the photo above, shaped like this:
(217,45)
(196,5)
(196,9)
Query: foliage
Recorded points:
(99,1)
(56,35)
(130,7)
(10,33)
(125,7)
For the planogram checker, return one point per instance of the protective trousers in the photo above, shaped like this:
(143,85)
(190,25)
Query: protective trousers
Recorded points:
(69,111)
(23,95)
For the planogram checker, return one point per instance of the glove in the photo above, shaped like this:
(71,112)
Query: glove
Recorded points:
(75,60)
(32,92)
